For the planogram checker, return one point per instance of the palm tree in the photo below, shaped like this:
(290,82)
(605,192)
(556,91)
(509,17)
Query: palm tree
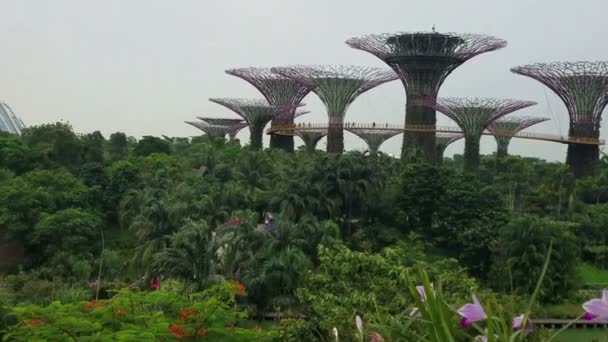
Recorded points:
(191,255)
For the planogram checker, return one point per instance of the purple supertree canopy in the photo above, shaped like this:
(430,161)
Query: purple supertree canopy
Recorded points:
(311,137)
(211,130)
(582,86)
(299,113)
(445,139)
(220,121)
(337,85)
(277,89)
(474,115)
(424,59)
(254,111)
(510,126)
(374,137)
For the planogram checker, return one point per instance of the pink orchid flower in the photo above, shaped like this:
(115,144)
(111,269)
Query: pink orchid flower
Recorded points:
(421,292)
(471,313)
(597,307)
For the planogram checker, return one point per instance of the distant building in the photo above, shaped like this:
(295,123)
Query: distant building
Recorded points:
(9,122)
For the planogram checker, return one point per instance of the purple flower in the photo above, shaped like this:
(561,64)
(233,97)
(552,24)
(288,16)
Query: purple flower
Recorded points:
(518,321)
(471,313)
(421,292)
(597,307)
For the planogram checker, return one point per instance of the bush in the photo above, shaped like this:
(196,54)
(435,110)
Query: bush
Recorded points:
(522,248)
(139,316)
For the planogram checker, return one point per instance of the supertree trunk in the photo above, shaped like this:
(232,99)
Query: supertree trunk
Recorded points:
(439,156)
(256,137)
(471,154)
(419,145)
(502,148)
(582,158)
(335,134)
(284,142)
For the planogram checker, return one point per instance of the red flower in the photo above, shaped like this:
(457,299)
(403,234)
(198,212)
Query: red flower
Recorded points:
(34,322)
(93,304)
(185,313)
(239,288)
(202,332)
(176,330)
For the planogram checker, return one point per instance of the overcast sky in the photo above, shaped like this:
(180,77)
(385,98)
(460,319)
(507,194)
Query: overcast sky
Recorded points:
(145,66)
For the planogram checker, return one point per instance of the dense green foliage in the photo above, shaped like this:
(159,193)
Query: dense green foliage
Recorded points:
(316,239)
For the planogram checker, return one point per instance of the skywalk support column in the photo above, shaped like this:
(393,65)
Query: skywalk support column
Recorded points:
(423,60)
(583,87)
(337,87)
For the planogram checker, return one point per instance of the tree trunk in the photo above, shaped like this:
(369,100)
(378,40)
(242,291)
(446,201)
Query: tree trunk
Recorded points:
(419,145)
(283,142)
(335,134)
(502,148)
(582,158)
(256,136)
(471,153)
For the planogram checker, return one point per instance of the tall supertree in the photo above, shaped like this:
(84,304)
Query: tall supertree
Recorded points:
(423,60)
(278,90)
(442,141)
(583,87)
(256,112)
(213,131)
(234,125)
(505,128)
(337,87)
(311,137)
(373,136)
(473,116)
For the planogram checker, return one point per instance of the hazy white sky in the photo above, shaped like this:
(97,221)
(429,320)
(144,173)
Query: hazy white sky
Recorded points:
(145,66)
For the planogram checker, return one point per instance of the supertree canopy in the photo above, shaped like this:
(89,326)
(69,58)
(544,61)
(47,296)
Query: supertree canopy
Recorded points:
(278,90)
(213,131)
(473,116)
(443,140)
(423,60)
(234,125)
(505,128)
(583,87)
(337,87)
(256,112)
(374,136)
(311,137)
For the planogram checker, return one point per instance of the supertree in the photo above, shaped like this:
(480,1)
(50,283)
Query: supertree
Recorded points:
(423,60)
(256,112)
(505,128)
(583,87)
(473,116)
(213,131)
(311,137)
(234,125)
(278,90)
(337,87)
(442,141)
(373,136)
